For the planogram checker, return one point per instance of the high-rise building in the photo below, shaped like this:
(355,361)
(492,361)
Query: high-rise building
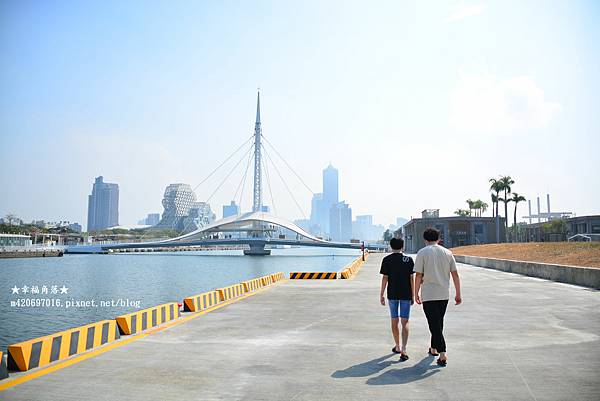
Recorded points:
(231,210)
(177,202)
(103,205)
(330,186)
(340,222)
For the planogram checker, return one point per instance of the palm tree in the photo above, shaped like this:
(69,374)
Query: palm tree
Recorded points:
(462,212)
(481,206)
(494,201)
(495,186)
(471,205)
(505,183)
(516,198)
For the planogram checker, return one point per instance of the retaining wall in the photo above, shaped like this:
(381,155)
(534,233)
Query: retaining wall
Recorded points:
(584,276)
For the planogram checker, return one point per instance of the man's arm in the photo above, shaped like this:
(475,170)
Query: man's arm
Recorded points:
(384,281)
(456,281)
(418,279)
(412,288)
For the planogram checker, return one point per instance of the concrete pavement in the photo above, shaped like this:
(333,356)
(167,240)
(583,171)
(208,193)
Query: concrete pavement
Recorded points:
(513,338)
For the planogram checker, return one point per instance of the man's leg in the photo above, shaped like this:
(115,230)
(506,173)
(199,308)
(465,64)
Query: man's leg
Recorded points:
(396,333)
(404,334)
(442,305)
(432,314)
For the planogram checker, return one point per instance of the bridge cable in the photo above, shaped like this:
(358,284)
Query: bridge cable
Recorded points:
(285,183)
(242,183)
(288,165)
(269,185)
(221,165)
(230,172)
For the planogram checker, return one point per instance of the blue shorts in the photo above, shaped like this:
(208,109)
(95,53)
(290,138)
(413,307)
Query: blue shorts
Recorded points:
(401,304)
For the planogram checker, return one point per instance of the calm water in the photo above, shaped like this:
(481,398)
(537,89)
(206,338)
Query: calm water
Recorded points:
(127,282)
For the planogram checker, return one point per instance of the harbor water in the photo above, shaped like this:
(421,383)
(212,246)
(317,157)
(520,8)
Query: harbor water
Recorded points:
(41,296)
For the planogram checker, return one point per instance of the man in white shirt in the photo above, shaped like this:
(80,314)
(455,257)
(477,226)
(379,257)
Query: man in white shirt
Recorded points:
(433,267)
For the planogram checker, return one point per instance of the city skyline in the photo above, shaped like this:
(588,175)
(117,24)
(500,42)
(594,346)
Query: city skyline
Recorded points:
(418,104)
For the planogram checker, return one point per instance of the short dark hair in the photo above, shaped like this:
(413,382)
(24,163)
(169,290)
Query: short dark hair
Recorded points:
(397,243)
(431,234)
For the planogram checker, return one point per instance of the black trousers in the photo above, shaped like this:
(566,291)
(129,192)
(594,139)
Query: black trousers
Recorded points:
(435,311)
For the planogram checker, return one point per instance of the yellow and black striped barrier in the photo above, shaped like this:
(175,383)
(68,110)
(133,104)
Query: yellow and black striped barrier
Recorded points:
(352,268)
(230,292)
(313,275)
(267,280)
(277,276)
(252,285)
(197,303)
(3,369)
(44,350)
(135,322)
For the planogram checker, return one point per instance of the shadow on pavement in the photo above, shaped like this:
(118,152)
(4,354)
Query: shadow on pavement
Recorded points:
(366,368)
(420,371)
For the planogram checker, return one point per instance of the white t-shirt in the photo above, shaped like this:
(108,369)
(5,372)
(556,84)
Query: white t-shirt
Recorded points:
(436,263)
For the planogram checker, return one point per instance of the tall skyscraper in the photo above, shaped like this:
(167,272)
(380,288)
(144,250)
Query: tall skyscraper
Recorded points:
(330,186)
(103,205)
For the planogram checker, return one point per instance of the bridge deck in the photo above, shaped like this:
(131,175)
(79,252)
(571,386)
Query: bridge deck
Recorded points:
(514,338)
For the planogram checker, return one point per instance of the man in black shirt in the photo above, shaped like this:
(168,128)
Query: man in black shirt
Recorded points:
(398,276)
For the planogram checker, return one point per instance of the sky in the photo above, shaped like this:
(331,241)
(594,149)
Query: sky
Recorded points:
(416,103)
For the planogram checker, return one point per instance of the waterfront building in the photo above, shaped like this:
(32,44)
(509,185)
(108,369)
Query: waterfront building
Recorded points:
(340,222)
(14,240)
(454,230)
(177,202)
(152,219)
(103,205)
(231,210)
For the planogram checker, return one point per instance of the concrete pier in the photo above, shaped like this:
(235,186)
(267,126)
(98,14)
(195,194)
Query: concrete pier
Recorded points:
(514,338)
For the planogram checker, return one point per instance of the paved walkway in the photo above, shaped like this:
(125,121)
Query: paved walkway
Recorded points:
(514,338)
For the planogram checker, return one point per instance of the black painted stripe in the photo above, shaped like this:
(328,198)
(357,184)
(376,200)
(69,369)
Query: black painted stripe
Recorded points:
(163,311)
(154,313)
(74,343)
(133,324)
(144,320)
(171,311)
(55,351)
(89,342)
(117,334)
(105,328)
(34,358)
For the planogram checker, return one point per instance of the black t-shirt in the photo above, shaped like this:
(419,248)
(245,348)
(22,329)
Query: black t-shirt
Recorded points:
(398,268)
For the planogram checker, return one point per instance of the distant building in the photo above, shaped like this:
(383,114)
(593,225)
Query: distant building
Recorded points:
(330,186)
(152,219)
(75,227)
(318,214)
(231,210)
(586,228)
(340,222)
(303,224)
(177,202)
(103,206)
(265,209)
(454,231)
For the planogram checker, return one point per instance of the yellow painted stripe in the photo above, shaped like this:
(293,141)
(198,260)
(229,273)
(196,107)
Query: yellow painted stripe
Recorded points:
(126,340)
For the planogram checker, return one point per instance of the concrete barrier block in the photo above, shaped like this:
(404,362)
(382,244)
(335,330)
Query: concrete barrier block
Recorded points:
(267,280)
(252,285)
(44,350)
(230,292)
(200,302)
(135,322)
(277,276)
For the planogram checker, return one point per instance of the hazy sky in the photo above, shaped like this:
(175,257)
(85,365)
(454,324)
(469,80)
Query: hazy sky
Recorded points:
(416,103)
